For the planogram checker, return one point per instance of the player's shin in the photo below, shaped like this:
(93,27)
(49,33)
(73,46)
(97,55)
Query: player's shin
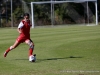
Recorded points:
(32,58)
(6,52)
(31,50)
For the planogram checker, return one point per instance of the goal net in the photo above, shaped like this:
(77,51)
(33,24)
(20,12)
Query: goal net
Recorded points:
(69,12)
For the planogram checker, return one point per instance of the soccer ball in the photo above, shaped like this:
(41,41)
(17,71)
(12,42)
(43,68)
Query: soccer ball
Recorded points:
(32,58)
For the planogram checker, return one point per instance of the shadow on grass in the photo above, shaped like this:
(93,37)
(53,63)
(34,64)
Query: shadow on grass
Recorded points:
(21,59)
(40,60)
(63,58)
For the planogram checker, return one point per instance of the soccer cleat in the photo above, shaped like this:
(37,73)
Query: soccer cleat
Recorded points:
(5,54)
(34,55)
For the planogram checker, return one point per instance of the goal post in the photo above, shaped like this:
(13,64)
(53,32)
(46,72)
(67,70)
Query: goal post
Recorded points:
(56,2)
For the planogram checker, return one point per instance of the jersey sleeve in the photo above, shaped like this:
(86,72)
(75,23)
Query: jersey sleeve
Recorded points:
(20,25)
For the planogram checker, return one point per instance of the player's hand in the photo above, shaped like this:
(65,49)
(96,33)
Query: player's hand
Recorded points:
(19,30)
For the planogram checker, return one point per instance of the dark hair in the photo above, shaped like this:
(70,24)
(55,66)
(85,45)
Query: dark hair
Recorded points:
(26,14)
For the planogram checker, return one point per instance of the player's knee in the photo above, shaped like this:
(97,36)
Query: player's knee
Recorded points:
(32,45)
(12,47)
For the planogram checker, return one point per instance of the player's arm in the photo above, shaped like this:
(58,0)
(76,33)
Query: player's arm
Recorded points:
(20,27)
(19,30)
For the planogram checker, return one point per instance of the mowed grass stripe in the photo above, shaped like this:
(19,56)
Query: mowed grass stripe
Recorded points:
(58,49)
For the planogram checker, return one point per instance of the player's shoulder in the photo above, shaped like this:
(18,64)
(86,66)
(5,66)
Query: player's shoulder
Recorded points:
(22,21)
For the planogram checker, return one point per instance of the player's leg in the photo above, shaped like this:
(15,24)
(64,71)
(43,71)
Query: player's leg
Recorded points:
(11,47)
(32,57)
(31,48)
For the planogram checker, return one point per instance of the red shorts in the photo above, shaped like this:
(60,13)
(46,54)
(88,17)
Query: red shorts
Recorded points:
(21,39)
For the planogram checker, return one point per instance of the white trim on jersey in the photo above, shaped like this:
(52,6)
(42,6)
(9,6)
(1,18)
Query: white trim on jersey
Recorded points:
(20,25)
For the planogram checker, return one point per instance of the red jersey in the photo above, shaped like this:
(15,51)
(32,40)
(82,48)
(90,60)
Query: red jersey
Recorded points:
(25,30)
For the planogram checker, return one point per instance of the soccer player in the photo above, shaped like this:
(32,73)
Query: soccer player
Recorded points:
(24,36)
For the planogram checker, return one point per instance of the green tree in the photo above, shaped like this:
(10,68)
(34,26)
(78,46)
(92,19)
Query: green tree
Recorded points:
(43,11)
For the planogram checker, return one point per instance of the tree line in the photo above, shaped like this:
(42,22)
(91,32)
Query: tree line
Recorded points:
(64,13)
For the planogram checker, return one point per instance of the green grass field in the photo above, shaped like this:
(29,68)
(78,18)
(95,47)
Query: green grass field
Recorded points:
(68,50)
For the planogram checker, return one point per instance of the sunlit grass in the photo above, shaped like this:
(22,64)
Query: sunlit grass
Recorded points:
(69,50)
